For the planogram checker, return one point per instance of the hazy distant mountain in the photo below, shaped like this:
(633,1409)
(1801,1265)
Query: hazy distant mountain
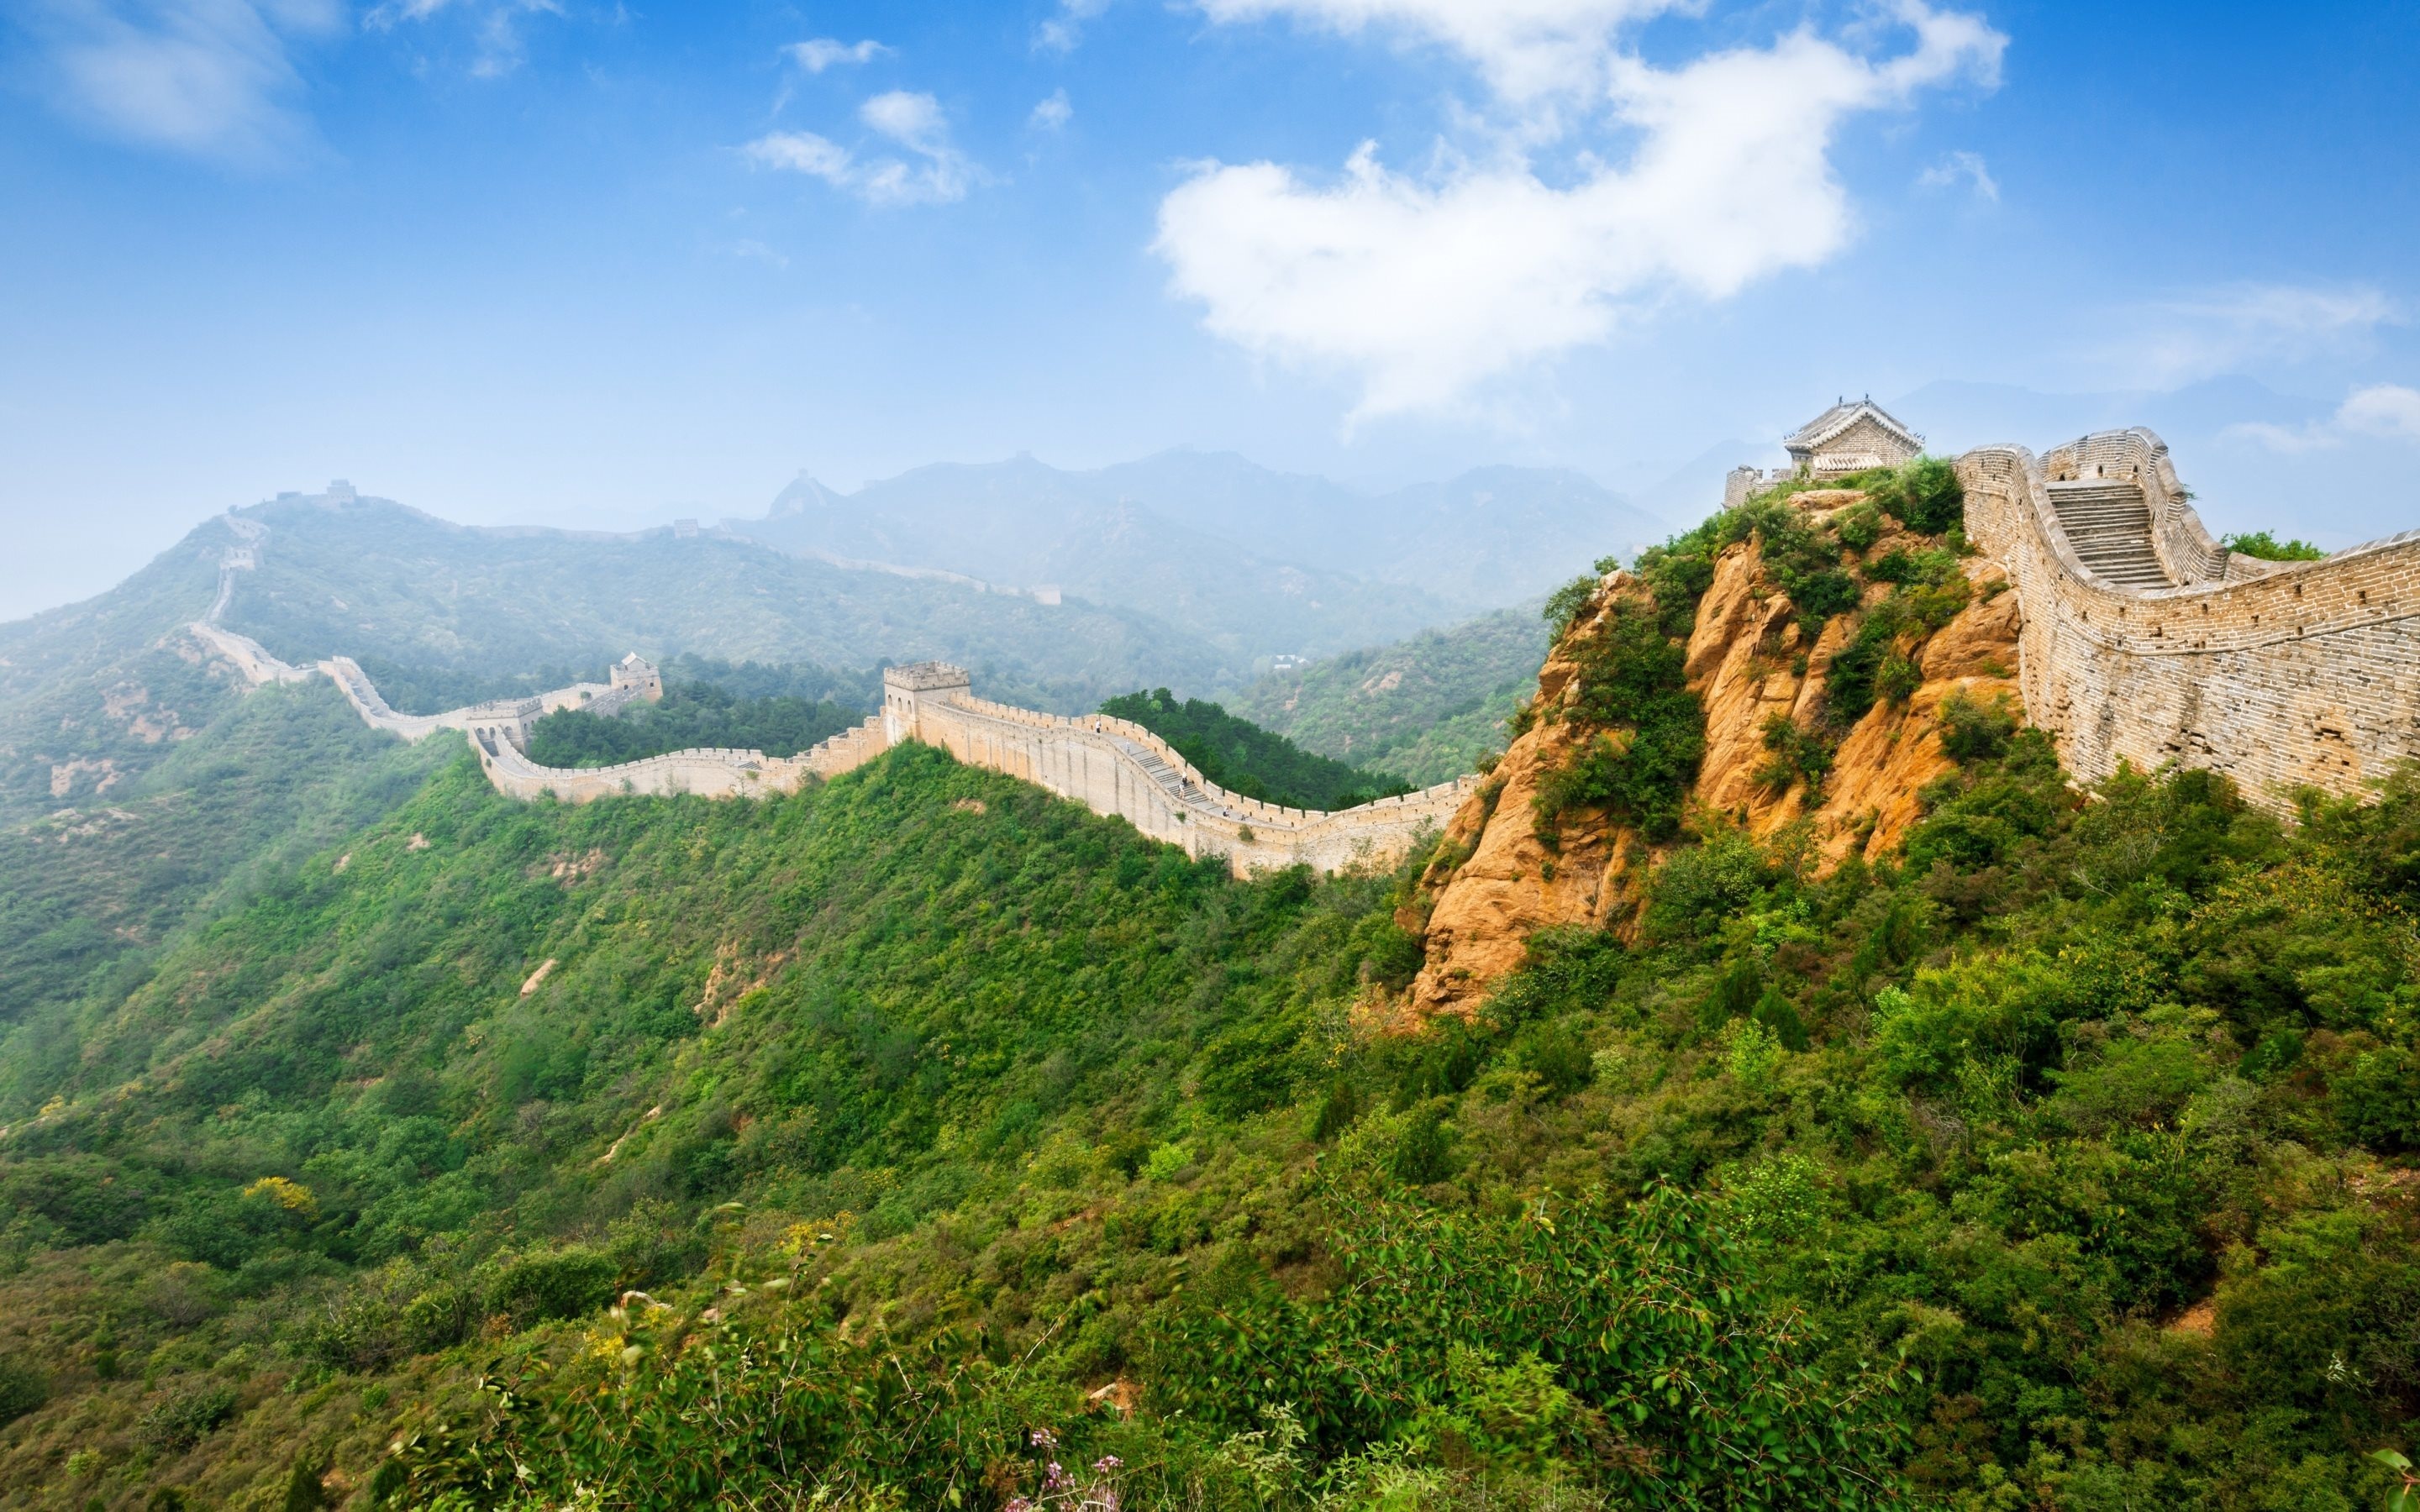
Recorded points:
(1224,547)
(1020,524)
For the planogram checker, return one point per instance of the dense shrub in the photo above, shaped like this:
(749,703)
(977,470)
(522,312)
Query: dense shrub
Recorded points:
(180,1421)
(1242,757)
(1924,495)
(2269,548)
(1631,675)
(566,1284)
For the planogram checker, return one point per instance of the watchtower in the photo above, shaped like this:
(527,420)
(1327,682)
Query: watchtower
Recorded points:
(906,690)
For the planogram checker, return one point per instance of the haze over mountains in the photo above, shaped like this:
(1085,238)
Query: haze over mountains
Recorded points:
(1223,546)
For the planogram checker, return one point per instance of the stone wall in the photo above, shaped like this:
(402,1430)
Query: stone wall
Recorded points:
(1110,765)
(709,772)
(1114,766)
(2277,674)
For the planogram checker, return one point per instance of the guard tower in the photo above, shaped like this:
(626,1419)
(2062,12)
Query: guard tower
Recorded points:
(906,690)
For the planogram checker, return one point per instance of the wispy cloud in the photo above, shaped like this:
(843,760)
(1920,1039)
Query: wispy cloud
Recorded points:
(1063,31)
(1424,288)
(214,78)
(1961,168)
(936,174)
(499,44)
(2225,331)
(751,250)
(2382,411)
(821,53)
(1051,114)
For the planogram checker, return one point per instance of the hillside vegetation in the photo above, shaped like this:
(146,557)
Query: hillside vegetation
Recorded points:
(921,1140)
(1241,757)
(1426,709)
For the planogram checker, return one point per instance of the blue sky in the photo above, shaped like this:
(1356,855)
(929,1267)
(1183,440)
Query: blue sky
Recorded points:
(552,261)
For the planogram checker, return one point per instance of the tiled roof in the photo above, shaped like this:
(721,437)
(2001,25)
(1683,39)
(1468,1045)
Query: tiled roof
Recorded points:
(1840,417)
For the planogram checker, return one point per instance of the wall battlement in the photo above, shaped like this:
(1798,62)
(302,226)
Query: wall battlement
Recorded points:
(2279,675)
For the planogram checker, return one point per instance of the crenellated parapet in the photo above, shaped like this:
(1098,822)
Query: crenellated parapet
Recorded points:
(2167,648)
(1114,766)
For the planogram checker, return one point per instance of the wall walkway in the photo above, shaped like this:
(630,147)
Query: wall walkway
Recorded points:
(2279,675)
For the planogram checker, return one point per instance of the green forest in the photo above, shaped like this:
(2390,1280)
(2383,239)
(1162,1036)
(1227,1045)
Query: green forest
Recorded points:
(1242,757)
(918,1139)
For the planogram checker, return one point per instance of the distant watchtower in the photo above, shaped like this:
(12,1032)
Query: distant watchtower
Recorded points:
(635,677)
(905,689)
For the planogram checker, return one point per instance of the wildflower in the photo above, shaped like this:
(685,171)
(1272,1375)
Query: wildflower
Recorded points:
(1105,1463)
(1044,1439)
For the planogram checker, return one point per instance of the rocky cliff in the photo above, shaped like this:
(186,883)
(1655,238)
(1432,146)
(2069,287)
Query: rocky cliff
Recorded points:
(1506,870)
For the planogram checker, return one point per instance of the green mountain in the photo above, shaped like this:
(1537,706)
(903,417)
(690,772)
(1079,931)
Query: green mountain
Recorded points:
(1426,709)
(377,577)
(94,695)
(920,1139)
(1242,757)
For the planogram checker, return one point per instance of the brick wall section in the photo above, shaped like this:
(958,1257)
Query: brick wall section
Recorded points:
(1116,767)
(1109,765)
(2280,675)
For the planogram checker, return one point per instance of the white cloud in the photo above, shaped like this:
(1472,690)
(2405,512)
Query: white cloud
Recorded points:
(1061,32)
(1426,287)
(2385,409)
(212,78)
(1051,114)
(940,174)
(2382,411)
(2185,340)
(821,53)
(1961,168)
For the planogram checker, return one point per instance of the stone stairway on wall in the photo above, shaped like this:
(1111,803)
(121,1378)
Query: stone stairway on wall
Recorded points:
(2109,524)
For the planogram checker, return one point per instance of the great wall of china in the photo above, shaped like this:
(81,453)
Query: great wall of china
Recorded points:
(2142,641)
(1110,765)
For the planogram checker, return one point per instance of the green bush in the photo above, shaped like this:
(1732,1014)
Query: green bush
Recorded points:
(1631,675)
(23,1388)
(1972,731)
(1924,495)
(2269,548)
(181,1421)
(566,1284)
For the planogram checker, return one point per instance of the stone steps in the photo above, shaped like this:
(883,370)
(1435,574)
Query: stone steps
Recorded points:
(2109,524)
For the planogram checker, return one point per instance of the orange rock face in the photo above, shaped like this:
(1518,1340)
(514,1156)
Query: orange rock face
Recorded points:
(1747,661)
